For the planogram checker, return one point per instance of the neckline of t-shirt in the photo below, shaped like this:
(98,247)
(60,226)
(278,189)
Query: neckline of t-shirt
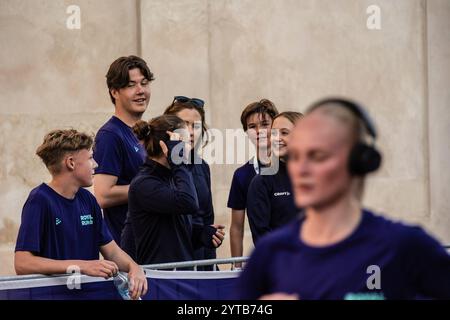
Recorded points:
(58,195)
(117,119)
(321,249)
(256,165)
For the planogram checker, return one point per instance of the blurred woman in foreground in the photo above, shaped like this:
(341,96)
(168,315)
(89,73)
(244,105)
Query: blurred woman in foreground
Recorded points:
(340,250)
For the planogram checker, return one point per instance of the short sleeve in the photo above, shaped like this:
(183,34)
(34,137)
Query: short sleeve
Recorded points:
(107,153)
(31,229)
(237,198)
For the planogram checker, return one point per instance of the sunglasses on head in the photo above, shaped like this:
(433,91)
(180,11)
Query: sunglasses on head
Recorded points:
(195,101)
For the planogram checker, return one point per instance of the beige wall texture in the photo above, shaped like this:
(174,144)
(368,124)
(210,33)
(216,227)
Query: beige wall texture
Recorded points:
(230,53)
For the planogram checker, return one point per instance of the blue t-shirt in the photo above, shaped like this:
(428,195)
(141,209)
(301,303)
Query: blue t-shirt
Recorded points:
(237,199)
(118,153)
(58,228)
(380,259)
(270,203)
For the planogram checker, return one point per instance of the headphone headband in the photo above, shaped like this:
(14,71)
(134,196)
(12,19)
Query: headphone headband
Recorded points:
(363,158)
(354,107)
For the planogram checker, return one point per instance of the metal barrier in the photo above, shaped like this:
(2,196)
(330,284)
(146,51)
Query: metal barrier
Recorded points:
(36,279)
(165,283)
(196,263)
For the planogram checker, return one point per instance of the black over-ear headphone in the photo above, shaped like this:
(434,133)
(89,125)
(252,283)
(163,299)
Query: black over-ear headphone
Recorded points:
(364,158)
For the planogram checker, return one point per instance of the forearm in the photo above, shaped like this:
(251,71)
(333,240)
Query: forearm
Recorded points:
(120,257)
(114,196)
(237,232)
(236,241)
(161,197)
(29,264)
(136,275)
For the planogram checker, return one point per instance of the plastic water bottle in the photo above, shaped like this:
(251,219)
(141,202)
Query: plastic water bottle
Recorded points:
(121,283)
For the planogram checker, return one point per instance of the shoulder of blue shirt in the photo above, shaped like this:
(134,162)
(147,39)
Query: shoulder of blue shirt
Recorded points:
(243,172)
(402,236)
(113,128)
(44,192)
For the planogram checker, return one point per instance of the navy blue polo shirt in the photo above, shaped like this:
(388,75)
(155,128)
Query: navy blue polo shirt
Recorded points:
(118,153)
(201,175)
(381,259)
(270,203)
(58,228)
(237,198)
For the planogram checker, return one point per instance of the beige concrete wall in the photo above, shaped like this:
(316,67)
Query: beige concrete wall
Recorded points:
(232,52)
(51,77)
(439,115)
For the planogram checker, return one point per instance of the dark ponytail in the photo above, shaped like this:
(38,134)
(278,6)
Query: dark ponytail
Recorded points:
(142,130)
(155,130)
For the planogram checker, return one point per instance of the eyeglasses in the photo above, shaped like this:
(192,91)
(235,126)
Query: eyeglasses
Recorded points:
(195,101)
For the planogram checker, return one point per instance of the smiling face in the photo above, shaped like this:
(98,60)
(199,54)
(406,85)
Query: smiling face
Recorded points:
(134,98)
(279,137)
(83,167)
(258,129)
(318,160)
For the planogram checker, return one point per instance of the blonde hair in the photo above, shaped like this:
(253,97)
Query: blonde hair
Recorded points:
(292,116)
(58,143)
(345,116)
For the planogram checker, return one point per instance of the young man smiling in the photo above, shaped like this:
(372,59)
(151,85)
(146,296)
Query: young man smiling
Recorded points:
(117,150)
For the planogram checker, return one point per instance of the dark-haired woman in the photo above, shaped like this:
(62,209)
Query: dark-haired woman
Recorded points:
(162,198)
(191,111)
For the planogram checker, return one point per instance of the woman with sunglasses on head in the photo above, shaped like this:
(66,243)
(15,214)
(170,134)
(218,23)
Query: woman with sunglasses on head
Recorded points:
(191,111)
(163,199)
(341,250)
(270,203)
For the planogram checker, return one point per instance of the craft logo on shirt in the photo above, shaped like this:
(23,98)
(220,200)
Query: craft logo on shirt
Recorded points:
(136,148)
(86,220)
(285,193)
(58,221)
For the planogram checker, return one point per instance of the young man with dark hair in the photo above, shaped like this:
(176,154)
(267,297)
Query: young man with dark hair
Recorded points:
(62,224)
(256,121)
(117,150)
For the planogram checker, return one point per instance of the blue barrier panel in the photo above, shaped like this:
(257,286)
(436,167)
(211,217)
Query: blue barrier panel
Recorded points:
(88,291)
(191,285)
(163,285)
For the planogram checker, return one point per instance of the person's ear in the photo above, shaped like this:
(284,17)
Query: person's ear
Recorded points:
(69,161)
(164,148)
(114,93)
